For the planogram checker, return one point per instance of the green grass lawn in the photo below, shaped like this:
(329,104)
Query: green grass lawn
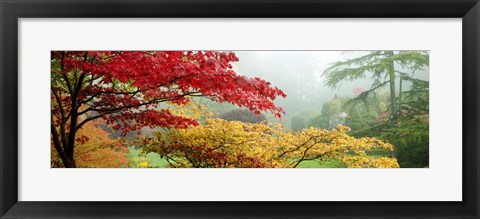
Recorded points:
(332,163)
(153,159)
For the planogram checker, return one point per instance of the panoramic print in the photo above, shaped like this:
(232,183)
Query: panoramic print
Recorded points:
(239,109)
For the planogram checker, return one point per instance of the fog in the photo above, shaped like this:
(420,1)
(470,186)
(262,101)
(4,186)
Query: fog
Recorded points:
(299,75)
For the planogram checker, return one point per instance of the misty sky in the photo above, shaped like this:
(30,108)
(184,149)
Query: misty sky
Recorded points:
(299,75)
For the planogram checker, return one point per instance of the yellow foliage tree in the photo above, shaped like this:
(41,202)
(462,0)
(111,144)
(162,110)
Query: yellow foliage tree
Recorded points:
(221,143)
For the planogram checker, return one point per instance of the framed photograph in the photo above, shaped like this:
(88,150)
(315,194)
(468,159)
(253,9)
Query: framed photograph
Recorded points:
(255,109)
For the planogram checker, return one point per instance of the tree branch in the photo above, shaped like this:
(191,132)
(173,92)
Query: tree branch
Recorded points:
(114,110)
(56,142)
(59,101)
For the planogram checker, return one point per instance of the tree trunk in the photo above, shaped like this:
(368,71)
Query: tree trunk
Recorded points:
(71,139)
(393,99)
(400,97)
(57,143)
(68,161)
(70,149)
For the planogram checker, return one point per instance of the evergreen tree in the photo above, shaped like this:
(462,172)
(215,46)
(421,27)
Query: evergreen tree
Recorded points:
(385,67)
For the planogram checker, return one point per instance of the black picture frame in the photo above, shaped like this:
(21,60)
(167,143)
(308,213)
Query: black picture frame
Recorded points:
(11,11)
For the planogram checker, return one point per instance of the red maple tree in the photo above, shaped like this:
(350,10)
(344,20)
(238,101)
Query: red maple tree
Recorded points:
(125,89)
